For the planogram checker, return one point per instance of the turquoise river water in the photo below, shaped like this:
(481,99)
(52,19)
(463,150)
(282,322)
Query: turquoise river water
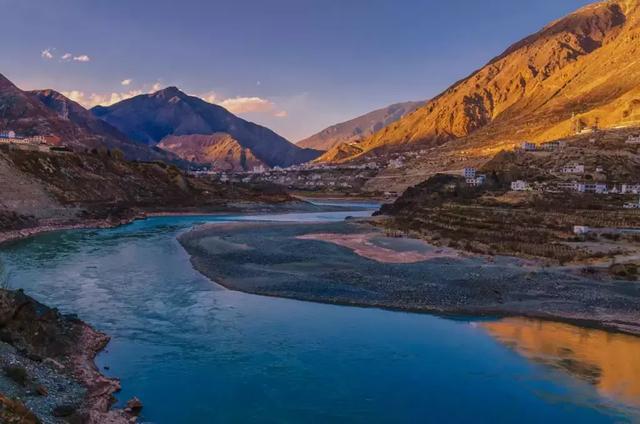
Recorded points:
(197,353)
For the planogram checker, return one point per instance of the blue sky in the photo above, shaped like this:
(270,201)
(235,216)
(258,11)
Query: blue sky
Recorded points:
(296,66)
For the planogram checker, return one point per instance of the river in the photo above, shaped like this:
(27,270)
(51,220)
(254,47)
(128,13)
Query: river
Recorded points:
(195,352)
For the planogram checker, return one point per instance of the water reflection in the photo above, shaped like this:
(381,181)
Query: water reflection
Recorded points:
(611,362)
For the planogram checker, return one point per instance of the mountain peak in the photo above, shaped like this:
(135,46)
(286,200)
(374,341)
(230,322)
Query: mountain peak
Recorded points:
(574,72)
(169,92)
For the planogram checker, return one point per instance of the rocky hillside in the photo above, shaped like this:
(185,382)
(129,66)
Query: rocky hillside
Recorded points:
(581,70)
(27,115)
(47,112)
(62,189)
(150,118)
(99,134)
(219,150)
(358,128)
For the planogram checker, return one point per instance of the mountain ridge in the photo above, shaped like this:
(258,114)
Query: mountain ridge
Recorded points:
(573,72)
(358,127)
(149,118)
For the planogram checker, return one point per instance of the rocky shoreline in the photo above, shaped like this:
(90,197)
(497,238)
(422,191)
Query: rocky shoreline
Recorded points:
(49,369)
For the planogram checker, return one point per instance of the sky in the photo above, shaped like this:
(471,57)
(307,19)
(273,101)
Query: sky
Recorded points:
(296,66)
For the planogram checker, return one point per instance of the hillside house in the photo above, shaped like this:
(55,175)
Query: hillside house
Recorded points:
(633,139)
(469,173)
(520,185)
(597,188)
(527,146)
(632,205)
(551,146)
(477,181)
(580,229)
(573,169)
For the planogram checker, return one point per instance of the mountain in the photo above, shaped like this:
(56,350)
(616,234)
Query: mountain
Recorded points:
(47,112)
(358,128)
(149,118)
(581,70)
(220,150)
(96,132)
(27,115)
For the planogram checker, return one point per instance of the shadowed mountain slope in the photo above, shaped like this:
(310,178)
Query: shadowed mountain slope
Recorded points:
(150,118)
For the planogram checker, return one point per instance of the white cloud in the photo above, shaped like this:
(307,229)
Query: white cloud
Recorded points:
(241,105)
(281,114)
(47,54)
(82,58)
(126,82)
(66,57)
(209,96)
(94,99)
(247,105)
(155,87)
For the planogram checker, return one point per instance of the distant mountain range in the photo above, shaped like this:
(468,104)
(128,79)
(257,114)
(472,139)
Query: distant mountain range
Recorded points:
(150,118)
(579,71)
(358,128)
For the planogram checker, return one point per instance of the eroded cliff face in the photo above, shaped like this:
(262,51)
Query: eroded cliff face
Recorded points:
(579,70)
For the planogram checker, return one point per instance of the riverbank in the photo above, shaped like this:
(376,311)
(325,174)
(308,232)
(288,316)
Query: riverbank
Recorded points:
(288,260)
(48,365)
(133,215)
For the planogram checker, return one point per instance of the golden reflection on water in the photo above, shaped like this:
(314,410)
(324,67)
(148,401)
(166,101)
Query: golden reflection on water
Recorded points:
(609,361)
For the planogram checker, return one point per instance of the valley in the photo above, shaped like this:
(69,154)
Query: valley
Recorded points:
(479,248)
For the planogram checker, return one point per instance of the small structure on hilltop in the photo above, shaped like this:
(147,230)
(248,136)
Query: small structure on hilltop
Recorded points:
(528,146)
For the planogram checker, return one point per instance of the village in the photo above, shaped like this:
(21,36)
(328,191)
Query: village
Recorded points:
(42,143)
(571,177)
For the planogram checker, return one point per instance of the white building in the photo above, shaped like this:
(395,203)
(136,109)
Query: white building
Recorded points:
(519,185)
(527,146)
(396,163)
(260,169)
(580,229)
(477,181)
(630,189)
(469,173)
(7,134)
(574,169)
(632,205)
(633,139)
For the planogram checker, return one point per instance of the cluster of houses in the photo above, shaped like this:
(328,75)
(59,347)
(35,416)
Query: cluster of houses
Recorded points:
(40,142)
(549,146)
(582,187)
(472,177)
